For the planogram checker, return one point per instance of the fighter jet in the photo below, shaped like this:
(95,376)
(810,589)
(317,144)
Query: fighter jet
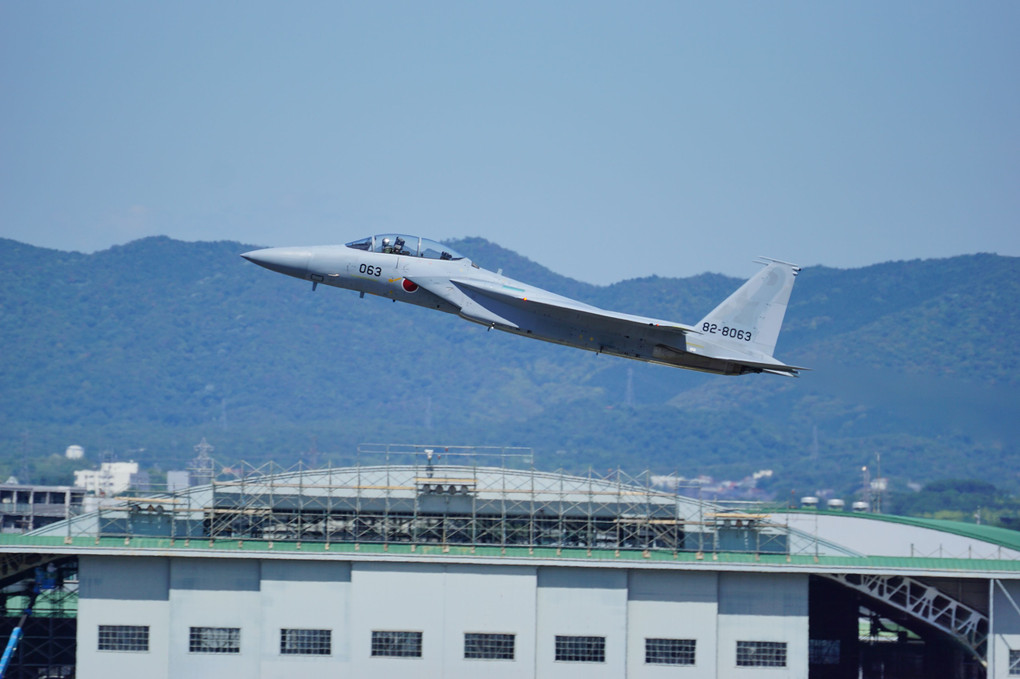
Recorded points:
(737,337)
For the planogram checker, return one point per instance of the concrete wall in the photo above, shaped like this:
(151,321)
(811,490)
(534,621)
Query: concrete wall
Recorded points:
(443,602)
(119,591)
(581,602)
(305,595)
(215,593)
(664,605)
(758,607)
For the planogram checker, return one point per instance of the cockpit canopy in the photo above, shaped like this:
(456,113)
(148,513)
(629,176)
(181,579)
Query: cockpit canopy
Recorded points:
(402,244)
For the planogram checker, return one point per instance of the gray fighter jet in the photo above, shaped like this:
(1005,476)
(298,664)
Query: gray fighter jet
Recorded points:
(737,337)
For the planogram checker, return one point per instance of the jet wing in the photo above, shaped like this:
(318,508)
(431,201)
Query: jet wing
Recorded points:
(568,309)
(446,290)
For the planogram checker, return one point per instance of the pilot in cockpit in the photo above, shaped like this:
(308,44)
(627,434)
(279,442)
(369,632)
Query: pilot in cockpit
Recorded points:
(396,248)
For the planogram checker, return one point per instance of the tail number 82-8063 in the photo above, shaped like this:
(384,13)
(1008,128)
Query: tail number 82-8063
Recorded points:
(725,331)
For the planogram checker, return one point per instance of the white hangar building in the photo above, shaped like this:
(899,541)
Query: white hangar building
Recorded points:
(462,571)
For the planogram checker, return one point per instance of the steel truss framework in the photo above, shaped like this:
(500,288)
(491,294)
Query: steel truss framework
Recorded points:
(426,502)
(47,648)
(925,603)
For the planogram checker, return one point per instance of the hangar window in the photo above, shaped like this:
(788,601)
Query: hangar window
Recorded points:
(306,641)
(580,649)
(669,651)
(761,654)
(214,640)
(396,644)
(123,637)
(488,646)
(1014,663)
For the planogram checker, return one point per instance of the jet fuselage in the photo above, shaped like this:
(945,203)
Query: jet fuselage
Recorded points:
(428,274)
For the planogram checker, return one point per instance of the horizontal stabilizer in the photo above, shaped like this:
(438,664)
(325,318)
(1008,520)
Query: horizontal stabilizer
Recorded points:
(774,368)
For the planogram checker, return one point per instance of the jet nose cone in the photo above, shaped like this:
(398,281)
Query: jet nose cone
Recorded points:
(290,261)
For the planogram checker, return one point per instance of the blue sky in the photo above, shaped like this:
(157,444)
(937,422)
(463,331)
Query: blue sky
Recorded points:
(604,140)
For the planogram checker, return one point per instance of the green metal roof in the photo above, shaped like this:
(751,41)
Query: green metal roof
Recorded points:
(1003,537)
(162,545)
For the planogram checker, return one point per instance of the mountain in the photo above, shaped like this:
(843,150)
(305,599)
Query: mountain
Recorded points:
(143,349)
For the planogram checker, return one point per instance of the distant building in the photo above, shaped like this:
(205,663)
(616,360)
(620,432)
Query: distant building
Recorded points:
(25,508)
(111,478)
(177,480)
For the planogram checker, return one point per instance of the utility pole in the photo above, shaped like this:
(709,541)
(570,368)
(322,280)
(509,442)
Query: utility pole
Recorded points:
(202,467)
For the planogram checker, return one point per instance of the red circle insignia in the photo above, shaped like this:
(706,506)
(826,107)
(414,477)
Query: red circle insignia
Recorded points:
(409,286)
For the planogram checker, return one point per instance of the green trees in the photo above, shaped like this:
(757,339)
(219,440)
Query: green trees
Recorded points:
(158,343)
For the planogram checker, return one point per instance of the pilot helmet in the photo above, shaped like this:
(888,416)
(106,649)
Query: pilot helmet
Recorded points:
(386,242)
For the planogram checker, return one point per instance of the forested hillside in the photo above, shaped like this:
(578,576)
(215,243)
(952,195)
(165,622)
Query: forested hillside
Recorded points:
(157,343)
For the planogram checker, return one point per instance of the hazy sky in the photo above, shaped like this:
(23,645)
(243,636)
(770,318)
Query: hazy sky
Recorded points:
(603,140)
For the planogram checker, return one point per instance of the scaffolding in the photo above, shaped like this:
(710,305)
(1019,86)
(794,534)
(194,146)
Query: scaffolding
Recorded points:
(445,495)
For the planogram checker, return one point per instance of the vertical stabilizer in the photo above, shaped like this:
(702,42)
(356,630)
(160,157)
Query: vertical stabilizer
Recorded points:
(757,308)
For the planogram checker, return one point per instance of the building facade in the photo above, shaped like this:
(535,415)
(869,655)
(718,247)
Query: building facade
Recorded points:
(210,617)
(466,572)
